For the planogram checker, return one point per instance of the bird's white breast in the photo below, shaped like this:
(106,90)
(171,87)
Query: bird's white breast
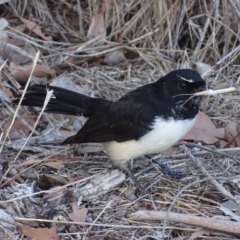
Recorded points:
(163,135)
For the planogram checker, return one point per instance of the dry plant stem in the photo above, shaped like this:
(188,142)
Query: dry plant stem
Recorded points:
(2,66)
(22,120)
(9,222)
(209,223)
(99,215)
(20,101)
(206,150)
(214,182)
(48,96)
(16,112)
(211,92)
(219,151)
(147,226)
(203,33)
(185,188)
(25,169)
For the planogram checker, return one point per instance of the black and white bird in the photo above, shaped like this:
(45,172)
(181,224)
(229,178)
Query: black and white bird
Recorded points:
(147,120)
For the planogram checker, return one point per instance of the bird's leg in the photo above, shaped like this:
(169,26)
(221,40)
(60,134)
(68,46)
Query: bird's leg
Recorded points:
(127,167)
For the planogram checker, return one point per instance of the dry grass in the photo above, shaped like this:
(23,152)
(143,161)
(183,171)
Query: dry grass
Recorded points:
(163,35)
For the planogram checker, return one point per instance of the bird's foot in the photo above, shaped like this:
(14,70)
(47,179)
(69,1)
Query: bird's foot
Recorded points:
(167,171)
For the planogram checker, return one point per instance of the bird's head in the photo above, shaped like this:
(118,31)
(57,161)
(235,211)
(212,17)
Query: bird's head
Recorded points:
(180,85)
(177,89)
(182,82)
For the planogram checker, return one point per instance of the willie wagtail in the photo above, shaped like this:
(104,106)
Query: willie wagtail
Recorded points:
(147,120)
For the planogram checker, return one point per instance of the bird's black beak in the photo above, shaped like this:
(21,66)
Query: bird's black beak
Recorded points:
(202,88)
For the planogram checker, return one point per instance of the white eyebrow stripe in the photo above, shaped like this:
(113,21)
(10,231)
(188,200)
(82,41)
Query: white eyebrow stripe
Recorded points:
(187,80)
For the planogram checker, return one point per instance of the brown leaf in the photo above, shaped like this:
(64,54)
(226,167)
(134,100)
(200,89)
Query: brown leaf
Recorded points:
(39,233)
(5,94)
(17,42)
(53,162)
(6,91)
(47,181)
(232,134)
(78,215)
(97,27)
(170,151)
(203,68)
(19,129)
(205,131)
(27,163)
(21,73)
(55,165)
(32,26)
(199,233)
(20,28)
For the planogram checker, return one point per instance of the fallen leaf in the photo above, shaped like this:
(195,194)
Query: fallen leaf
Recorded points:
(199,234)
(20,28)
(232,134)
(39,233)
(205,131)
(17,42)
(129,193)
(114,57)
(47,181)
(27,163)
(32,26)
(19,129)
(78,214)
(97,27)
(68,82)
(203,69)
(170,151)
(5,94)
(21,73)
(55,165)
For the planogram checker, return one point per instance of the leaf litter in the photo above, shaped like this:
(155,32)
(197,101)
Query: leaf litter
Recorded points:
(103,48)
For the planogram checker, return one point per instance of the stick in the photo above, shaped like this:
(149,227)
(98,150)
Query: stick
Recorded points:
(212,92)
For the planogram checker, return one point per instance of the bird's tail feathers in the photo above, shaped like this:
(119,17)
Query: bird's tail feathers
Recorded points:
(63,101)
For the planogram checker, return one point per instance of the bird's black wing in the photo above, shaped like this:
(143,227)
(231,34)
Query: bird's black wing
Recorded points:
(121,122)
(129,118)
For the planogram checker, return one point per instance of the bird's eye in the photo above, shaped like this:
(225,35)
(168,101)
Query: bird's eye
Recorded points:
(182,85)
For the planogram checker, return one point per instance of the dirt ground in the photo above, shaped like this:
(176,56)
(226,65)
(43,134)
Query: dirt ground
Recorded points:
(107,48)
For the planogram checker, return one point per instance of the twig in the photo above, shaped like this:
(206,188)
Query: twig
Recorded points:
(219,152)
(211,92)
(214,182)
(209,223)
(21,99)
(185,188)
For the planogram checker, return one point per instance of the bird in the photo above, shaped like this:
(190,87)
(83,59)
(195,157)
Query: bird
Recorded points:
(147,120)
